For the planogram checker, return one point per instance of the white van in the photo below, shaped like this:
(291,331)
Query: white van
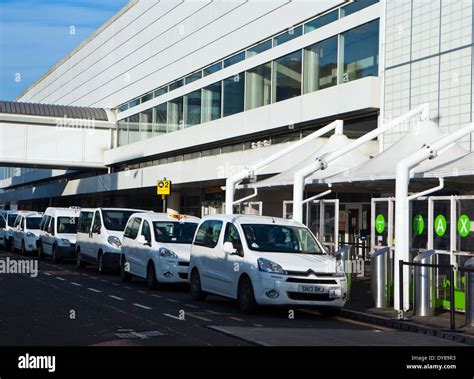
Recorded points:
(157,247)
(58,233)
(10,218)
(264,260)
(99,236)
(26,232)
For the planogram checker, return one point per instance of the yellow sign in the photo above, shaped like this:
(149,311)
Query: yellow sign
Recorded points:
(163,187)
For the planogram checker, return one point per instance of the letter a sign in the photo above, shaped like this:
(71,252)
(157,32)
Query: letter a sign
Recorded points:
(440,225)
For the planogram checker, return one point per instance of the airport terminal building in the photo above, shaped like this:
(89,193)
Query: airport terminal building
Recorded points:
(194,91)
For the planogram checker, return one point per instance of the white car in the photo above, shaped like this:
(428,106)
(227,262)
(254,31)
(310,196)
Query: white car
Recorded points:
(26,232)
(99,237)
(10,218)
(58,233)
(264,261)
(157,247)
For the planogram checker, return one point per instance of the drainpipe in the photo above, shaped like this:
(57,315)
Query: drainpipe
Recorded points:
(402,209)
(322,162)
(252,170)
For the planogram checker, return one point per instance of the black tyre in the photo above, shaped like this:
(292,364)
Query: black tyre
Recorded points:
(151,280)
(196,290)
(125,276)
(79,262)
(100,264)
(40,251)
(12,246)
(246,296)
(23,249)
(55,255)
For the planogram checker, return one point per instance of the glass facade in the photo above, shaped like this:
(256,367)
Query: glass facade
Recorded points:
(321,21)
(360,51)
(320,65)
(233,89)
(211,102)
(260,48)
(259,85)
(356,6)
(234,59)
(288,36)
(348,56)
(287,77)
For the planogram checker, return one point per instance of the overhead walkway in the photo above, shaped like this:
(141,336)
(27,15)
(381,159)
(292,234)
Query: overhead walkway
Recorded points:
(54,136)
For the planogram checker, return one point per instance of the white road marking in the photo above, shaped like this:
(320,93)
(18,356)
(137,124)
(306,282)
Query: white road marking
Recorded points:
(157,296)
(93,290)
(173,301)
(47,273)
(76,284)
(115,284)
(191,306)
(141,306)
(175,317)
(198,317)
(116,297)
(57,277)
(141,291)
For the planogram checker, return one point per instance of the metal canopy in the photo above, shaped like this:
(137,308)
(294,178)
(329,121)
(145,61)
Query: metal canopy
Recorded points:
(463,166)
(336,141)
(47,110)
(383,166)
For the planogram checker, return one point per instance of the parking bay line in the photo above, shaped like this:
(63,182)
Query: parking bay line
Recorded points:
(236,319)
(94,290)
(142,306)
(116,297)
(198,317)
(174,317)
(57,277)
(76,284)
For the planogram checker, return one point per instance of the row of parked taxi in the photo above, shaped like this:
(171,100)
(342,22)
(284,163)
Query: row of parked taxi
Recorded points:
(253,259)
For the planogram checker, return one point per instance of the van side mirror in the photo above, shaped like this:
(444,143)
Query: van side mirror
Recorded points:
(229,248)
(142,240)
(96,229)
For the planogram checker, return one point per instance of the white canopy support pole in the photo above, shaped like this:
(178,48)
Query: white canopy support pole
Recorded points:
(428,191)
(321,162)
(402,225)
(318,196)
(255,193)
(252,170)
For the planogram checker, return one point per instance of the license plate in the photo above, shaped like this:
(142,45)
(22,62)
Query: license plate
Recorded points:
(312,289)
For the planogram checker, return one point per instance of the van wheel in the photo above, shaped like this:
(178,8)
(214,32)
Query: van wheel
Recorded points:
(196,289)
(125,276)
(246,296)
(151,280)
(40,251)
(79,262)
(54,255)
(100,263)
(23,249)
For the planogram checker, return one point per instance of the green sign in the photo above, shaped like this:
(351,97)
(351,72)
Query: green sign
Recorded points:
(418,225)
(380,223)
(440,225)
(464,226)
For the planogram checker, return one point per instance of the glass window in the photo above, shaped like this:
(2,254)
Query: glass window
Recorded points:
(288,36)
(33,223)
(123,107)
(131,231)
(134,128)
(134,103)
(208,233)
(50,229)
(161,114)
(232,235)
(146,232)
(320,65)
(85,221)
(116,219)
(259,85)
(260,48)
(146,124)
(356,6)
(193,77)
(160,91)
(234,59)
(233,95)
(321,21)
(287,77)
(11,219)
(174,232)
(176,84)
(212,69)
(67,225)
(211,102)
(193,108)
(147,97)
(97,225)
(360,52)
(123,132)
(175,114)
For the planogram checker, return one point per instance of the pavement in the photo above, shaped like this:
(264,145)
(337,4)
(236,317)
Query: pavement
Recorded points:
(64,306)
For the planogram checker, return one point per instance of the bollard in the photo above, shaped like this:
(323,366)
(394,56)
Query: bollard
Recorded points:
(469,293)
(381,277)
(344,255)
(425,295)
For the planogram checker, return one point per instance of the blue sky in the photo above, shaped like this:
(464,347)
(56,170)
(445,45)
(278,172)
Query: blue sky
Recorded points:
(35,35)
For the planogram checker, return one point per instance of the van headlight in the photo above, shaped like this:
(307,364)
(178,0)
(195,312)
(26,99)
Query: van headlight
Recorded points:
(339,269)
(30,235)
(165,253)
(65,242)
(267,265)
(114,241)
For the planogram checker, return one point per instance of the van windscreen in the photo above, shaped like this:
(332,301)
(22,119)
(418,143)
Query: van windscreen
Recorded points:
(11,219)
(67,225)
(33,223)
(116,219)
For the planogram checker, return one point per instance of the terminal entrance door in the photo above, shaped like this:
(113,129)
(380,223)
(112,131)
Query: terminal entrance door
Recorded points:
(322,218)
(382,223)
(355,227)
